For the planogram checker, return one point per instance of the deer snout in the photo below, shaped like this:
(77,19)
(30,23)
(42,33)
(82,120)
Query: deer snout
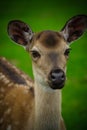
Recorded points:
(57,79)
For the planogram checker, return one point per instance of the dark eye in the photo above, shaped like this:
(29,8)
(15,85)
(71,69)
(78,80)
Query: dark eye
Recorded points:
(67,51)
(35,54)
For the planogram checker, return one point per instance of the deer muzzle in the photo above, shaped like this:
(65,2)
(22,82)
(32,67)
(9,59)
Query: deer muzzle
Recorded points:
(57,79)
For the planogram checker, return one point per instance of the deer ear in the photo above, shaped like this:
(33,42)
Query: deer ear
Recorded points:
(20,32)
(74,28)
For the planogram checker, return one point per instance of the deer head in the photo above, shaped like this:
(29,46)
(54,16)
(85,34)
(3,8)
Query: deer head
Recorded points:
(49,49)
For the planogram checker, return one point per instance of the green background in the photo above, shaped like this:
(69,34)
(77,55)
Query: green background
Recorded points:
(51,14)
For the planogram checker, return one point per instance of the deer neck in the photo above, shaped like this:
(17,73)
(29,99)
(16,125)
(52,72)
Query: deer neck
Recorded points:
(47,108)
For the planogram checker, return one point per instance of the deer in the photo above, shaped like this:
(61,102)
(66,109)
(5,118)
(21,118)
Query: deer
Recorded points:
(36,105)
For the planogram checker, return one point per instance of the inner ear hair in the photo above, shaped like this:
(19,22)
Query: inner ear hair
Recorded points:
(74,28)
(20,32)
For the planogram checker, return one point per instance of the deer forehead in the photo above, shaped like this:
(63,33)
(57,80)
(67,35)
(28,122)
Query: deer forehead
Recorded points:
(50,40)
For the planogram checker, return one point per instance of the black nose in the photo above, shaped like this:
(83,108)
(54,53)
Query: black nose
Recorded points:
(57,78)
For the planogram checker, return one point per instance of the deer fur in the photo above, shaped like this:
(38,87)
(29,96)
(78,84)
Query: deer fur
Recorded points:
(36,105)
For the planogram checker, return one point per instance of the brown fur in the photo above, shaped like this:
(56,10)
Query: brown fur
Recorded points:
(21,102)
(49,39)
(22,106)
(16,98)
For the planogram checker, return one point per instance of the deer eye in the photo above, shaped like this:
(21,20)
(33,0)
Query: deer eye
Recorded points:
(67,51)
(35,55)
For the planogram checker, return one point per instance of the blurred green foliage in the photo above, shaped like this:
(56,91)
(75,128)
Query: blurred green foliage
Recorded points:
(51,14)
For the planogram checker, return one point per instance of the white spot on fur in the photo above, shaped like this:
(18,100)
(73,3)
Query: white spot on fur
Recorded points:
(10,84)
(6,81)
(1,120)
(2,76)
(8,111)
(9,127)
(1,95)
(1,101)
(24,104)
(16,123)
(25,91)
(13,95)
(2,90)
(7,103)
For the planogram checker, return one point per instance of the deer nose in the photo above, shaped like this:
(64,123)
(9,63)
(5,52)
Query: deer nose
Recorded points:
(57,78)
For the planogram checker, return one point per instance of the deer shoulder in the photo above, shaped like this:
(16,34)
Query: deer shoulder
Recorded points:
(16,96)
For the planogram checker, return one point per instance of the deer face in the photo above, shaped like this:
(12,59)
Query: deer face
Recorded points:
(49,53)
(49,49)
